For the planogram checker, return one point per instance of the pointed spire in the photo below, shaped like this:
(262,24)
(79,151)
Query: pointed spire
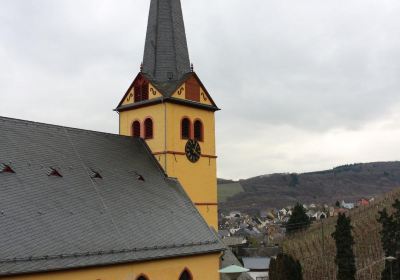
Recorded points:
(166,55)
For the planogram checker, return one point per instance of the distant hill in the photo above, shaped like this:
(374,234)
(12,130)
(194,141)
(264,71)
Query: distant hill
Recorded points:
(347,182)
(315,248)
(227,190)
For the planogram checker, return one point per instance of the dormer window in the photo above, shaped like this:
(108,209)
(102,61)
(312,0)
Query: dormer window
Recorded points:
(52,172)
(95,174)
(5,168)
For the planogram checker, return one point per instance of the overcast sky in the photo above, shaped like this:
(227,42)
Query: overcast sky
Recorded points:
(303,85)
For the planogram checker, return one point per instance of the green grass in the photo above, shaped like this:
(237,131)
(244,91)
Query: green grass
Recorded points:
(226,191)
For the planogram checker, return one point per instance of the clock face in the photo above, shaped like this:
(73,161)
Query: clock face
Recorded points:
(192,150)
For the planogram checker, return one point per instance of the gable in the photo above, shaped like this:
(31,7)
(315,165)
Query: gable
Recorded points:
(141,86)
(193,90)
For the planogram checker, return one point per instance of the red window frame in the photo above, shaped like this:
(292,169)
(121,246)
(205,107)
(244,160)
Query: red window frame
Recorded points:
(148,128)
(136,129)
(185,128)
(198,130)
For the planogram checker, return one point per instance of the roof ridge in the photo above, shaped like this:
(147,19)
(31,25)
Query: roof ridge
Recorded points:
(28,122)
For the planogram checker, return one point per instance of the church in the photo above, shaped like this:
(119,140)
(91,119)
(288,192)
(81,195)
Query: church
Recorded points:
(141,205)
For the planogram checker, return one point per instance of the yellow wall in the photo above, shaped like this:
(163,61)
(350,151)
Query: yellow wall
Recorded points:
(129,98)
(180,93)
(156,112)
(204,267)
(198,179)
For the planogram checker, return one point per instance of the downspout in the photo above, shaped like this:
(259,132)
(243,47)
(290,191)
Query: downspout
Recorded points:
(165,136)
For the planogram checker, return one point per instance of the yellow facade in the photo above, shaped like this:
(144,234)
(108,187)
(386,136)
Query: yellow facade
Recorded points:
(180,93)
(204,267)
(129,96)
(199,179)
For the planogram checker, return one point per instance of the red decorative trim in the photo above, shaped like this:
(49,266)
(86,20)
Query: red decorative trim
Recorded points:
(202,129)
(180,153)
(140,128)
(138,76)
(190,128)
(144,128)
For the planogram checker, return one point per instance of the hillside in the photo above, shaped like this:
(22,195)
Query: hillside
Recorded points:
(315,248)
(348,182)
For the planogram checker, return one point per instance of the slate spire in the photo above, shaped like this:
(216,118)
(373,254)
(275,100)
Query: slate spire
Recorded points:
(166,55)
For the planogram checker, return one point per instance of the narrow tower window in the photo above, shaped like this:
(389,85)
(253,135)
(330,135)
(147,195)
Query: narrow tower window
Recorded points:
(148,128)
(136,129)
(198,130)
(145,91)
(141,89)
(185,128)
(138,93)
(186,275)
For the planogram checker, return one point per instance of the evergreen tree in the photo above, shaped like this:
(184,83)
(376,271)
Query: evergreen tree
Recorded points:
(390,238)
(337,204)
(299,219)
(285,267)
(344,249)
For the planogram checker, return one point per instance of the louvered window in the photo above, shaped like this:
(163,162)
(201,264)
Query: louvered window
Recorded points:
(198,130)
(136,129)
(148,128)
(141,90)
(145,91)
(185,128)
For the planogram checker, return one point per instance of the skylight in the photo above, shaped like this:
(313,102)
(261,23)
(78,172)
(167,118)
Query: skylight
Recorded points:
(5,168)
(53,172)
(95,174)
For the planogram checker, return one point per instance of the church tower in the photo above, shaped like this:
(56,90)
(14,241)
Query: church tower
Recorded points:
(168,106)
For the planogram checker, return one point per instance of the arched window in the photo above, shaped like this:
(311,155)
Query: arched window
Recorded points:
(136,129)
(185,128)
(198,130)
(142,277)
(148,128)
(186,275)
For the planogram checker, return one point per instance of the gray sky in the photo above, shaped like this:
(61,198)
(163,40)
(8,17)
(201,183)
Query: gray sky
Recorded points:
(304,85)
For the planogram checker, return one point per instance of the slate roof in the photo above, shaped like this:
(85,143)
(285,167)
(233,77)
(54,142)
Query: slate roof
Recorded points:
(227,259)
(166,89)
(256,263)
(166,55)
(55,223)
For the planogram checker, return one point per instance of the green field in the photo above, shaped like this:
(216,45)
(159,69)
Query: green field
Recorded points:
(228,190)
